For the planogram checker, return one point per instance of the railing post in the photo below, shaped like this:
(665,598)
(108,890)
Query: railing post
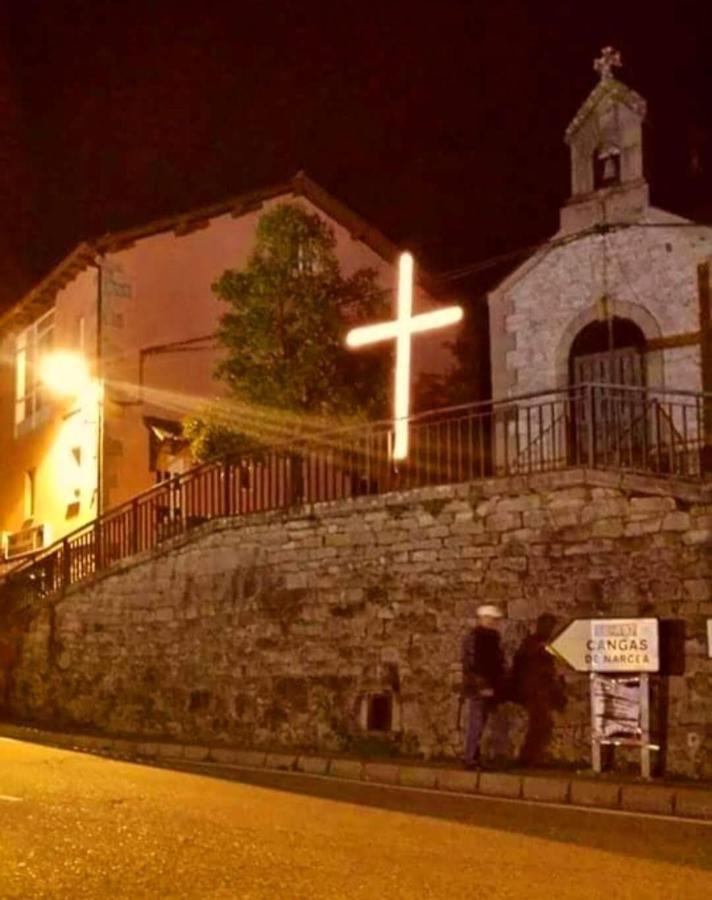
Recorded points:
(227,493)
(97,546)
(133,525)
(590,426)
(66,564)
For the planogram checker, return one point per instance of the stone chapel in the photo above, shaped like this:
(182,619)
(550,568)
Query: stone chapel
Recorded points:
(621,293)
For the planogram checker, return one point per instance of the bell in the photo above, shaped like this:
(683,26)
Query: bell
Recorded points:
(609,169)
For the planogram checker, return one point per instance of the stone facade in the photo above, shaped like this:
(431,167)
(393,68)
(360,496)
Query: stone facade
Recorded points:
(275,631)
(614,257)
(650,279)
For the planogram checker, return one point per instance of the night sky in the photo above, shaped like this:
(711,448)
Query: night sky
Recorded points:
(441,122)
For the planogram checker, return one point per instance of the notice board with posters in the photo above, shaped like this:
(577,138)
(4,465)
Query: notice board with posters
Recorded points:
(616,707)
(618,654)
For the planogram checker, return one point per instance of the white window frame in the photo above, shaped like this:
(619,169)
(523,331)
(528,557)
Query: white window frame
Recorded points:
(30,345)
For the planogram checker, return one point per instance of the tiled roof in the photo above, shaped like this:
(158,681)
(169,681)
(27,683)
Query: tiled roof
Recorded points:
(42,295)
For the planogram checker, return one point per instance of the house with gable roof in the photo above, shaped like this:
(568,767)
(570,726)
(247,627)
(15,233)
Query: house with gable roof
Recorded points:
(137,308)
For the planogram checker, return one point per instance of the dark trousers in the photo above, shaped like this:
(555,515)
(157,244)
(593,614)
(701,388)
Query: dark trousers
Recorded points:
(478,710)
(540,729)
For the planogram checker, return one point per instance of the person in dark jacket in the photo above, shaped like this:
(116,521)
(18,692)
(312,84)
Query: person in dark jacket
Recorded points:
(482,677)
(537,686)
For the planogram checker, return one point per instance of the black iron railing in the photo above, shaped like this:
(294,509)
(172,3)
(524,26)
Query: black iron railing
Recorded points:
(597,426)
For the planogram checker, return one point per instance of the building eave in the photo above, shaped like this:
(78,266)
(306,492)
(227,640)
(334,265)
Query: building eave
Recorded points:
(41,297)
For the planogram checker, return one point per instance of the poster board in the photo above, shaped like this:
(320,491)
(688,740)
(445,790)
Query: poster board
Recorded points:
(616,708)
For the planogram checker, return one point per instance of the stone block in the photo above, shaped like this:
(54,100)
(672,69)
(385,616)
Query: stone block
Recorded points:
(695,803)
(169,751)
(346,768)
(382,773)
(699,589)
(642,527)
(519,609)
(596,793)
(608,528)
(552,790)
(565,496)
(223,755)
(536,518)
(437,532)
(603,509)
(565,518)
(313,765)
(424,555)
(651,505)
(419,776)
(697,536)
(124,747)
(519,504)
(676,521)
(337,540)
(147,749)
(195,752)
(503,521)
(462,781)
(251,759)
(295,581)
(285,761)
(651,798)
(499,784)
(163,614)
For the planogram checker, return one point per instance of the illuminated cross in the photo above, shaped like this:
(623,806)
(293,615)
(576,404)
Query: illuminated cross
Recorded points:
(606,61)
(402,329)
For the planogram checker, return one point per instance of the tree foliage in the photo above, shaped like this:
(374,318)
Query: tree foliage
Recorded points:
(288,311)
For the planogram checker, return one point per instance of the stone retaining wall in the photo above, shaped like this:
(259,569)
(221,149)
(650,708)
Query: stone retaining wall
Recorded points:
(275,631)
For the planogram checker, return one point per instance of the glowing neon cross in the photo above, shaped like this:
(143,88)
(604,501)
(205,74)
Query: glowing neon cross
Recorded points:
(402,329)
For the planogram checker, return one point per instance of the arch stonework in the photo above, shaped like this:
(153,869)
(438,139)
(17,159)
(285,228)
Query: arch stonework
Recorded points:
(623,309)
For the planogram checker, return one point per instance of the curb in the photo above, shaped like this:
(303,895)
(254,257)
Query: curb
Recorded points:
(563,790)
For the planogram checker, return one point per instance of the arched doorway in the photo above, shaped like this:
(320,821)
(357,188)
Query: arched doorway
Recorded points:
(609,352)
(609,421)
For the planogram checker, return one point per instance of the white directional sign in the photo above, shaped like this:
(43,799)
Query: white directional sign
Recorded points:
(609,645)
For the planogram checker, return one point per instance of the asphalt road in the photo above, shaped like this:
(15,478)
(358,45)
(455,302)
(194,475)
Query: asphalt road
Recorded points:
(76,826)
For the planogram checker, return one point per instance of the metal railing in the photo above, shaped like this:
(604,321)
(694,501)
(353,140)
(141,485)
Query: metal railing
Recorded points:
(598,426)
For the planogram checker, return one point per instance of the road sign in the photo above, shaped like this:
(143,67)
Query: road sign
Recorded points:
(609,645)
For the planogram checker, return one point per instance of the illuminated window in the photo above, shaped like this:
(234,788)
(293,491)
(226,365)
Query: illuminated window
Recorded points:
(31,345)
(29,494)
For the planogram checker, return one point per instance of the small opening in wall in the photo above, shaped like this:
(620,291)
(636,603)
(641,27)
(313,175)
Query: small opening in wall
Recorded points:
(380,712)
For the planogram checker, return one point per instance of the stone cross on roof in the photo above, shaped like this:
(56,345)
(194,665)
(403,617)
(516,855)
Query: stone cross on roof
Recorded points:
(605,63)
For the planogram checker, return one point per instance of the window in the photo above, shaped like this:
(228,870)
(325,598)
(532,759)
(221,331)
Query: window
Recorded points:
(380,712)
(31,345)
(29,494)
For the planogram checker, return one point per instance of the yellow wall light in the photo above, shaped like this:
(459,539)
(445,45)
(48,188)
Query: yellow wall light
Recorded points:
(64,373)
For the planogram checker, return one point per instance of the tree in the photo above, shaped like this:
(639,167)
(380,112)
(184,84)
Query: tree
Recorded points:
(283,333)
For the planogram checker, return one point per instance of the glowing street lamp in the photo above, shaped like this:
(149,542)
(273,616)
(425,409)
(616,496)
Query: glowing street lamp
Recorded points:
(402,329)
(64,373)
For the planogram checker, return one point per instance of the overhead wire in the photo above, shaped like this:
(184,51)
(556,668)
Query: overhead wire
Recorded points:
(554,243)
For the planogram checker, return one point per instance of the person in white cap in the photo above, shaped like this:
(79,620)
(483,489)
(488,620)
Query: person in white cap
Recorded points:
(482,676)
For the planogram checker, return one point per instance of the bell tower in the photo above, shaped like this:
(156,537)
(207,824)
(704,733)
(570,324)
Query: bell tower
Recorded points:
(605,138)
